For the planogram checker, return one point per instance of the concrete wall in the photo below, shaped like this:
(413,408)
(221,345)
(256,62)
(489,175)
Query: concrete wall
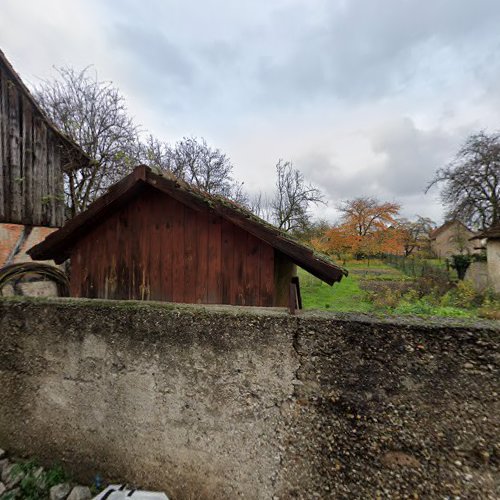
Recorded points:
(231,403)
(477,274)
(493,256)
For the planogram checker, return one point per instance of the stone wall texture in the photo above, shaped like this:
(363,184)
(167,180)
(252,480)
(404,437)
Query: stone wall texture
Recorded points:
(221,402)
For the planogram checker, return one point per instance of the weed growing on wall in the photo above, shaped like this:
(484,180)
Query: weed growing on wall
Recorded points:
(36,482)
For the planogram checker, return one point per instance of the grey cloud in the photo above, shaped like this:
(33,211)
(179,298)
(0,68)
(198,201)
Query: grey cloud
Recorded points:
(411,156)
(407,160)
(153,53)
(373,48)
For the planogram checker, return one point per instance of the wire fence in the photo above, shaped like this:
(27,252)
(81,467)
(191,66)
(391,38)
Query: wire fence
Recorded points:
(416,268)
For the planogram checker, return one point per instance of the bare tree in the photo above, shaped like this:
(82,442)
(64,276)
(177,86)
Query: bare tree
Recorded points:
(94,115)
(415,234)
(193,160)
(292,198)
(156,154)
(471,182)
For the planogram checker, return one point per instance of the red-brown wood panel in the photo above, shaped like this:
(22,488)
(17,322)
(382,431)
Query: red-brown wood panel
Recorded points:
(157,248)
(201,256)
(123,257)
(239,265)
(266,270)
(167,247)
(251,278)
(76,273)
(214,278)
(156,226)
(228,285)
(190,254)
(178,264)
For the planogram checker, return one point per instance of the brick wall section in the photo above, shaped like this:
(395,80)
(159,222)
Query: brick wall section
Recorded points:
(9,236)
(214,402)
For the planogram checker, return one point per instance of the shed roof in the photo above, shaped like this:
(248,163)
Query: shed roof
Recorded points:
(77,152)
(493,233)
(57,246)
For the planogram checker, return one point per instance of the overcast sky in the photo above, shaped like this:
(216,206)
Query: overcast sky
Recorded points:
(366,97)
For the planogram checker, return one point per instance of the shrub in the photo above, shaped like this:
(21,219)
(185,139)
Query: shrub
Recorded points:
(434,281)
(424,307)
(460,263)
(385,298)
(466,296)
(491,306)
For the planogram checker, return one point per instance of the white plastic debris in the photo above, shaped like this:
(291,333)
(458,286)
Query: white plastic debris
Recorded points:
(121,492)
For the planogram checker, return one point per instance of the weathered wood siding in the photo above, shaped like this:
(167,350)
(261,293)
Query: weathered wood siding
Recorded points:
(156,248)
(31,177)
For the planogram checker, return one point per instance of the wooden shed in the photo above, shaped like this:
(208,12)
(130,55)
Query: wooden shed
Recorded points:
(153,237)
(33,156)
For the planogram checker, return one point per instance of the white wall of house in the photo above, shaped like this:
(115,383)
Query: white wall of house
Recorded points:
(493,256)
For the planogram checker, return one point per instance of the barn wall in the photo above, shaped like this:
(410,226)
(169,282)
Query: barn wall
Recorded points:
(156,248)
(31,179)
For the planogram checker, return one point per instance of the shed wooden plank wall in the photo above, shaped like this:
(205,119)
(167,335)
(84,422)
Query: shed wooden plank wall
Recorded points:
(31,178)
(156,248)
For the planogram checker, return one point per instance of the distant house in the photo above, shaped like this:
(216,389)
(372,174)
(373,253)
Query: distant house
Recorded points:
(452,238)
(152,237)
(492,237)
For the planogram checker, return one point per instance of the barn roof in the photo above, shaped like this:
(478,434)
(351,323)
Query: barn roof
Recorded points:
(77,153)
(57,246)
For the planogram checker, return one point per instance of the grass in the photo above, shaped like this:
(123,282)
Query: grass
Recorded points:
(345,296)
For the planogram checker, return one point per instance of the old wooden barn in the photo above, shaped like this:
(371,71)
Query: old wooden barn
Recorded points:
(153,237)
(33,156)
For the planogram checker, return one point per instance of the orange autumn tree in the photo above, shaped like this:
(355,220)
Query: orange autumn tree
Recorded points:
(367,227)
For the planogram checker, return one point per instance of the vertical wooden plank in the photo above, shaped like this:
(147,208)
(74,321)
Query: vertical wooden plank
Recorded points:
(85,284)
(135,236)
(155,215)
(3,144)
(144,234)
(239,265)
(38,170)
(167,247)
(266,273)
(58,187)
(251,271)
(214,279)
(27,161)
(190,254)
(228,295)
(202,257)
(49,200)
(178,264)
(76,272)
(16,176)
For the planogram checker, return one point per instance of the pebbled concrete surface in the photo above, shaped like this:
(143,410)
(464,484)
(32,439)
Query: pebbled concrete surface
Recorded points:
(221,402)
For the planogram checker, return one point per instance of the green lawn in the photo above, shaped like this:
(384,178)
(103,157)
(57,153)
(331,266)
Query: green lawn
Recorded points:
(345,296)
